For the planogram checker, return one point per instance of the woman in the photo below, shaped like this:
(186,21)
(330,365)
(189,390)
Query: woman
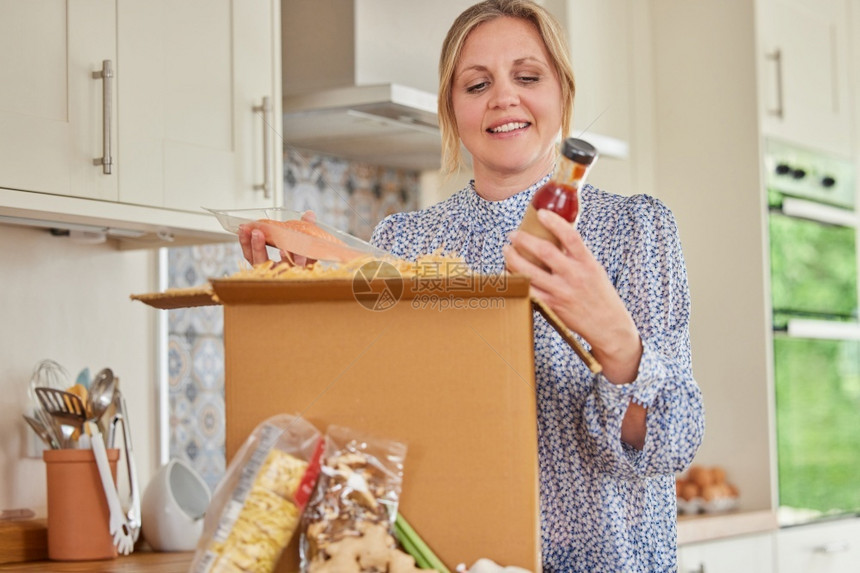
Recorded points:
(609,445)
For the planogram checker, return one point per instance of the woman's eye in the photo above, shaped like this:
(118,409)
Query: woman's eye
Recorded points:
(474,88)
(529,79)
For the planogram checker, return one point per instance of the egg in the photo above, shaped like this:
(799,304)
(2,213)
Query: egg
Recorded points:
(700,475)
(688,491)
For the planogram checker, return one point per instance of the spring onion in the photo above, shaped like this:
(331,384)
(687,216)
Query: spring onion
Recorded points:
(415,546)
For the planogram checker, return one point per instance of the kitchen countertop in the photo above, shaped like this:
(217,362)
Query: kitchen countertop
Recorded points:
(698,528)
(136,562)
(691,529)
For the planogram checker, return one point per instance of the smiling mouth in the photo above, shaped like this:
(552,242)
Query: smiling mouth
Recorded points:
(508,127)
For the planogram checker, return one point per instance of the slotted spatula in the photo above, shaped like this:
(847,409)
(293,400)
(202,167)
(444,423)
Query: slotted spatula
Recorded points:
(65,407)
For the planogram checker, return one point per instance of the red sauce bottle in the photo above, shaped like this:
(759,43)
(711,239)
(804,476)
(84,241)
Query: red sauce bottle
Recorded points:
(561,193)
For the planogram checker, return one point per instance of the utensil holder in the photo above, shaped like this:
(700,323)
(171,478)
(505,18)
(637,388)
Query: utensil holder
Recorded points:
(78,514)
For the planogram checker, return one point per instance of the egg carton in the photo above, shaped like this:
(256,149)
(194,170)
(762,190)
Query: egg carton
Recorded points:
(698,505)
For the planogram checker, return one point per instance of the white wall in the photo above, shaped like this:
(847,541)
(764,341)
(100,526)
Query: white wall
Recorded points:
(708,171)
(69,302)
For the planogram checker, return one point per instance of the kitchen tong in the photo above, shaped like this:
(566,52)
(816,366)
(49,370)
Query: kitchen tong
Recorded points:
(119,526)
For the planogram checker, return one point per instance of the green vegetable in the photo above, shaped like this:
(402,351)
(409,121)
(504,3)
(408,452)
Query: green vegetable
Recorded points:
(415,546)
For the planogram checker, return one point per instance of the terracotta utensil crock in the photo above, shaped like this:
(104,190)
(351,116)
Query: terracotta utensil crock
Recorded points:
(78,513)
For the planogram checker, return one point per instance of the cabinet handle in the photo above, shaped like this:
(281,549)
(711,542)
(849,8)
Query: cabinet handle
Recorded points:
(106,75)
(833,547)
(266,185)
(776,58)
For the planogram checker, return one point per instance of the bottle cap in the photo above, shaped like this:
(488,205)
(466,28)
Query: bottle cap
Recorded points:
(578,150)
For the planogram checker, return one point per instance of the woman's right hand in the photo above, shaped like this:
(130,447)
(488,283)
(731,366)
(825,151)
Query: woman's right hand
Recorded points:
(253,242)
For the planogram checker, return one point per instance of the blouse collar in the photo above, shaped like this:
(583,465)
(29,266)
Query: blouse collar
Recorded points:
(493,212)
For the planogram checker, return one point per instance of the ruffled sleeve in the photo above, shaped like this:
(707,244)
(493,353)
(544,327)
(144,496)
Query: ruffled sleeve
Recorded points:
(647,267)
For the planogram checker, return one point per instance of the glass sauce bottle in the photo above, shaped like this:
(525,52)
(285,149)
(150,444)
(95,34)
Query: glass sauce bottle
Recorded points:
(561,193)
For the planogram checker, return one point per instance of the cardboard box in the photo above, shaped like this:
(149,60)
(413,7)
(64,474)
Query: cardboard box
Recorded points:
(447,368)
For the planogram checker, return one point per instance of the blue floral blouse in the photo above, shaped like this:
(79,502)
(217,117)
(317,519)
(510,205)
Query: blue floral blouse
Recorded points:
(605,506)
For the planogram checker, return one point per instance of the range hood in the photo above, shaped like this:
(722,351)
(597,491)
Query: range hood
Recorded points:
(359,81)
(386,124)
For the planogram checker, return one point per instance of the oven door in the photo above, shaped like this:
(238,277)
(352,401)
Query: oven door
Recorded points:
(813,263)
(817,379)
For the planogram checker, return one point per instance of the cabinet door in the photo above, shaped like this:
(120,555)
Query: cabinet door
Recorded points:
(257,73)
(804,72)
(191,74)
(749,554)
(51,107)
(824,548)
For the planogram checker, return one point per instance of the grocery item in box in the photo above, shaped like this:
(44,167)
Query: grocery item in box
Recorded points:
(354,505)
(286,231)
(258,505)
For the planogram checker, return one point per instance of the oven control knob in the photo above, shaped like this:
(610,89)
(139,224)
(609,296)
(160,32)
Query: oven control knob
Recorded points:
(783,169)
(798,173)
(827,181)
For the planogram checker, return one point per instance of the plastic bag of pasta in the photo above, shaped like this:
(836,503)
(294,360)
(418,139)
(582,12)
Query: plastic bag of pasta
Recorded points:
(348,522)
(257,507)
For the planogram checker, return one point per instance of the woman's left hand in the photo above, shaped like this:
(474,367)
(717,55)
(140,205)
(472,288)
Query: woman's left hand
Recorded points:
(575,285)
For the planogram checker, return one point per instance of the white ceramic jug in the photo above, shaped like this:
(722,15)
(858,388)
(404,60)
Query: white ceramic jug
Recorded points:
(173,507)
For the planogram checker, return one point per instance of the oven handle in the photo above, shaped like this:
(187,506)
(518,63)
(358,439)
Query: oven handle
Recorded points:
(818,212)
(823,329)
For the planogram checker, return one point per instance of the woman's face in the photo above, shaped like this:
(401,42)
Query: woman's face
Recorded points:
(507,100)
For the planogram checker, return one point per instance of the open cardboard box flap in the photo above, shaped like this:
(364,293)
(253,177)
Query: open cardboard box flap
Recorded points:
(272,291)
(328,289)
(178,298)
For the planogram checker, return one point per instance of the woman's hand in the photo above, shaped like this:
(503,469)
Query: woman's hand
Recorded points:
(253,244)
(576,287)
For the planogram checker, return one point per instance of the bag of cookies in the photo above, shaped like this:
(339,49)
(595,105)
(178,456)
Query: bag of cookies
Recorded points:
(257,506)
(349,520)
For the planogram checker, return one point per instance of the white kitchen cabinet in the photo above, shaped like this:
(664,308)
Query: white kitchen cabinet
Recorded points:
(186,121)
(748,554)
(832,547)
(51,107)
(804,60)
(192,81)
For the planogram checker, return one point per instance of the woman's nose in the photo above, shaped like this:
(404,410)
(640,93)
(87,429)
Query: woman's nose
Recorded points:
(504,95)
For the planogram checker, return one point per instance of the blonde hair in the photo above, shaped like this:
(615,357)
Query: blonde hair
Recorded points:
(553,38)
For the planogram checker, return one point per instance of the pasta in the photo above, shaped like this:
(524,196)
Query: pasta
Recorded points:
(253,541)
(428,266)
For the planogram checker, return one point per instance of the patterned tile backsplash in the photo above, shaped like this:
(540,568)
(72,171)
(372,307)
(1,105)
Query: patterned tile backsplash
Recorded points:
(349,196)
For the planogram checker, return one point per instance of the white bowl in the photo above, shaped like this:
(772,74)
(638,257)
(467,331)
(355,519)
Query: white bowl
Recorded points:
(173,507)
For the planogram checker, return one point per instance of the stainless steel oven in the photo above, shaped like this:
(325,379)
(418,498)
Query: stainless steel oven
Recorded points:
(813,227)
